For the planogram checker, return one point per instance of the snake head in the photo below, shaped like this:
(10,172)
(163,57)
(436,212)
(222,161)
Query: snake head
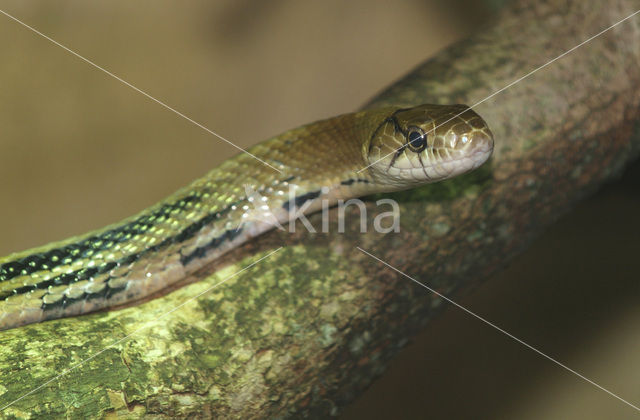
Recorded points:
(427,143)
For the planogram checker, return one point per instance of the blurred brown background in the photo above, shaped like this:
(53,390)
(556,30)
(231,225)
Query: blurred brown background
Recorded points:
(79,150)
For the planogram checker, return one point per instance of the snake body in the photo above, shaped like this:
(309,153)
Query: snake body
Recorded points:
(339,158)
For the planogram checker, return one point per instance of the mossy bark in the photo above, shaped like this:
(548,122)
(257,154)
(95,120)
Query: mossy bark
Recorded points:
(303,331)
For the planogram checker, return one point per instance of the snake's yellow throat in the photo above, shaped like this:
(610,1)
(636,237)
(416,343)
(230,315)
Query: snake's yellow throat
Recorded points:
(428,143)
(238,200)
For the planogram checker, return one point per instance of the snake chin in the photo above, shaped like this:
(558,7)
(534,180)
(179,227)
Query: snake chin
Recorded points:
(443,169)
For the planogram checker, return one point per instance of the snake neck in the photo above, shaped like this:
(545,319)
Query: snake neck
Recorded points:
(163,244)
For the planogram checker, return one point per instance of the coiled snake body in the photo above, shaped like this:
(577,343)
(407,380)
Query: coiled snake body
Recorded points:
(240,199)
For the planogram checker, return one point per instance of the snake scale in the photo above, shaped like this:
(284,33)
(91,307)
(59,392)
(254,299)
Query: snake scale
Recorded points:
(339,158)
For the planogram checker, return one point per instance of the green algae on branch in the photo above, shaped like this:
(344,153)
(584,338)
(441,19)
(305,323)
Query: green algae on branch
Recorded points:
(467,185)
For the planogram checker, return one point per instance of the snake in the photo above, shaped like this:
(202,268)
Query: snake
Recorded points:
(278,180)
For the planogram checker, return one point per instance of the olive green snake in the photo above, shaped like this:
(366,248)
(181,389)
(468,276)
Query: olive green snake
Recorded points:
(339,158)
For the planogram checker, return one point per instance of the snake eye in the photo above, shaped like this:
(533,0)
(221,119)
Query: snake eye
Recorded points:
(417,140)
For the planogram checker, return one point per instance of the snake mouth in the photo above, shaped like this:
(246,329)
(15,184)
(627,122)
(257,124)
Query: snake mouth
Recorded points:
(447,166)
(454,154)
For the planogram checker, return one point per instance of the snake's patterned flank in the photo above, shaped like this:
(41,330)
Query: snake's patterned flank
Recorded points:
(238,200)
